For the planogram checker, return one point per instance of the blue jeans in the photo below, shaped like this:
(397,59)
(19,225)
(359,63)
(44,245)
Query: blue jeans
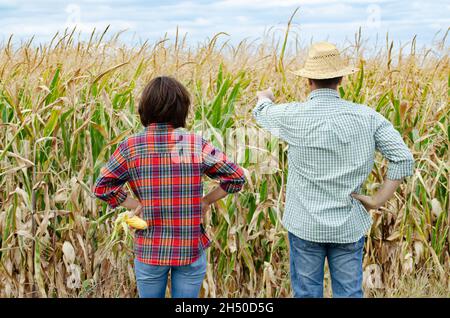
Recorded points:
(307,261)
(186,281)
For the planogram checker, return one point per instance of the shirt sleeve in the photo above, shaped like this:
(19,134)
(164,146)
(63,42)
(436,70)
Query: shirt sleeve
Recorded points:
(269,116)
(113,176)
(389,142)
(216,165)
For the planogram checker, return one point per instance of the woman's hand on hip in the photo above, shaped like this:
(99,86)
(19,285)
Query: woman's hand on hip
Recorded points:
(205,205)
(138,210)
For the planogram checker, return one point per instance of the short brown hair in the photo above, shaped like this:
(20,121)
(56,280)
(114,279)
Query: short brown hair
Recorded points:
(164,100)
(327,83)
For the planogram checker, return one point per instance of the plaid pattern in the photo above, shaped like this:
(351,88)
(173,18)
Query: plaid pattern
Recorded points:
(164,168)
(332,143)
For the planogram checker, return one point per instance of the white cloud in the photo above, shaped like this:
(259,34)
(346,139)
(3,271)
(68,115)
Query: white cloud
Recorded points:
(201,22)
(256,4)
(240,18)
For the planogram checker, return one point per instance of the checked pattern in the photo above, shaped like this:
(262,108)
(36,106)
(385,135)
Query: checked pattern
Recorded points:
(332,144)
(164,168)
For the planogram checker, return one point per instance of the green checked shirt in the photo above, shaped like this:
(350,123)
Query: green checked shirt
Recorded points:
(332,145)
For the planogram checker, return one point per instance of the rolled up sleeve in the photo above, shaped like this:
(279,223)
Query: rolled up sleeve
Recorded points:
(216,165)
(389,142)
(113,176)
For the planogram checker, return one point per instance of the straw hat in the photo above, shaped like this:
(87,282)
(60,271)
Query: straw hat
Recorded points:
(324,61)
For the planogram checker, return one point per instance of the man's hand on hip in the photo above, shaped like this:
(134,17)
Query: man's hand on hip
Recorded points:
(386,191)
(368,202)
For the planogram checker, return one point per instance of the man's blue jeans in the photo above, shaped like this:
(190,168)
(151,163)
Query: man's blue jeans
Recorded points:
(186,281)
(307,261)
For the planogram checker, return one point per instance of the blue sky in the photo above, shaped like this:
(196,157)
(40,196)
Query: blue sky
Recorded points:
(317,19)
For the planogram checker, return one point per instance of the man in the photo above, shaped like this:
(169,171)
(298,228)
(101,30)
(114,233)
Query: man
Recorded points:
(332,143)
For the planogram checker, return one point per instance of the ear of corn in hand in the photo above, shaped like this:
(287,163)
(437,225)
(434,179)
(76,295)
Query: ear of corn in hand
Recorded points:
(135,222)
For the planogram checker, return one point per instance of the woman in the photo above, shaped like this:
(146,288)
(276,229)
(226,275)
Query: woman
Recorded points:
(163,165)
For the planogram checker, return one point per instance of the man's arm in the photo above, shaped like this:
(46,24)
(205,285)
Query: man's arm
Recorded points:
(267,114)
(386,191)
(401,163)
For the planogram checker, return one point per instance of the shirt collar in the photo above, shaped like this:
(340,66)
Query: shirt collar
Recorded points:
(158,126)
(323,93)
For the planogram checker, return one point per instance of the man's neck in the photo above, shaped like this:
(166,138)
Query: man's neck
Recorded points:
(313,88)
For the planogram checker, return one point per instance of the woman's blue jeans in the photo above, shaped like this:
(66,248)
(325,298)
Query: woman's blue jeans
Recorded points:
(307,261)
(186,281)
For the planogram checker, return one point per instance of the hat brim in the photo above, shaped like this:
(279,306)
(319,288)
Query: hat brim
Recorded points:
(325,75)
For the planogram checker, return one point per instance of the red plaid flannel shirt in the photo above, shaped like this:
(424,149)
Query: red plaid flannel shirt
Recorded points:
(164,168)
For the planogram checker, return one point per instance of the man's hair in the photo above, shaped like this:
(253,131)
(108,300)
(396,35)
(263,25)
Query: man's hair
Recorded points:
(326,83)
(164,100)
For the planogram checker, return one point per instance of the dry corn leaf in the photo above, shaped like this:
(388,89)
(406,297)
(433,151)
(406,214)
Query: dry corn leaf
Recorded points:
(68,252)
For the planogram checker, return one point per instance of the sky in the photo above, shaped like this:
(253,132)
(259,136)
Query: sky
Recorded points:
(316,20)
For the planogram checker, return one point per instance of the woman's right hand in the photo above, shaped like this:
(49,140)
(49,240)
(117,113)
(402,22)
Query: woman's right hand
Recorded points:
(138,210)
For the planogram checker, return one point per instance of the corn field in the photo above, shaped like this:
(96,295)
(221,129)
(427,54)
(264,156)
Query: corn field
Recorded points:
(66,104)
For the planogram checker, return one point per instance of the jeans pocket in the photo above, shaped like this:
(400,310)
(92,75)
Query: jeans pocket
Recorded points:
(198,267)
(298,243)
(145,271)
(355,246)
